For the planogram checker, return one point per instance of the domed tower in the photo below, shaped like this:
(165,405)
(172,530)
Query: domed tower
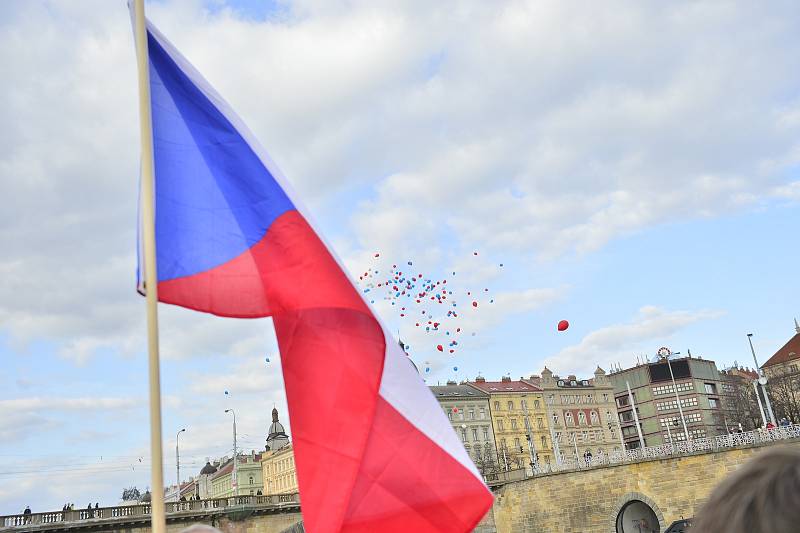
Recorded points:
(204,480)
(277,437)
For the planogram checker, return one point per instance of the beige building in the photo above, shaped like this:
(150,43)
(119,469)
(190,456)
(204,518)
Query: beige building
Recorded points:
(279,471)
(582,413)
(467,408)
(248,473)
(519,420)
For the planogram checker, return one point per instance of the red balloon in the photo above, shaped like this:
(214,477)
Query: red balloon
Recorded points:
(439,347)
(563,325)
(475,304)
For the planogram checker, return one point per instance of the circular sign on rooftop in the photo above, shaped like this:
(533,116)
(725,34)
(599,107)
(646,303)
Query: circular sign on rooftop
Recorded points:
(762,380)
(664,352)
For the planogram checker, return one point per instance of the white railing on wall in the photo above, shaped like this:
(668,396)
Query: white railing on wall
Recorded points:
(142,510)
(706,444)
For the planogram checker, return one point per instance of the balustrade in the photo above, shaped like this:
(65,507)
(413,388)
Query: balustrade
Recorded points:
(704,444)
(143,510)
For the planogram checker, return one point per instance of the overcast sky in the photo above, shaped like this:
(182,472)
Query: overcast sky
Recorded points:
(634,166)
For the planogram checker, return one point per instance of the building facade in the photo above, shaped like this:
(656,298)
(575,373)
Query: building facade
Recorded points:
(582,413)
(699,388)
(469,413)
(519,420)
(248,475)
(279,471)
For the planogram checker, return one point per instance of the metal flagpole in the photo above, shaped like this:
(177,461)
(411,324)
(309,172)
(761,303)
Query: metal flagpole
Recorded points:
(158,520)
(677,397)
(635,415)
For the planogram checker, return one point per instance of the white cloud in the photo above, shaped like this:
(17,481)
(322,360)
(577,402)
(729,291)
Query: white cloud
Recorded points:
(530,128)
(619,343)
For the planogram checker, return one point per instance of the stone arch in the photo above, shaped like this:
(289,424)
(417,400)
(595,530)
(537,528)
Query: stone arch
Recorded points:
(627,499)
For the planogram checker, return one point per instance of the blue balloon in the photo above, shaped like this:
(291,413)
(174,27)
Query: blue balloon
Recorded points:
(226,392)
(267,359)
(455,368)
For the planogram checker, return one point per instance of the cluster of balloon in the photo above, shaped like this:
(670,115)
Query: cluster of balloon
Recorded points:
(433,304)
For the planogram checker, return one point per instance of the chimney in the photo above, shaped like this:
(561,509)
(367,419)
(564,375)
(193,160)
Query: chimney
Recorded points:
(480,379)
(796,326)
(451,382)
(506,379)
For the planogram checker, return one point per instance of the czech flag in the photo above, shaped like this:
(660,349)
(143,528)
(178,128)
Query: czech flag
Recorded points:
(373,448)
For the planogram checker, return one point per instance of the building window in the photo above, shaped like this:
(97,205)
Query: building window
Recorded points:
(474,433)
(539,423)
(472,414)
(609,416)
(792,368)
(500,425)
(623,401)
(582,418)
(517,444)
(485,433)
(496,406)
(605,398)
(503,444)
(510,405)
(551,399)
(523,404)
(593,415)
(555,419)
(251,480)
(672,404)
(513,423)
(463,434)
(544,442)
(713,403)
(627,416)
(569,420)
(536,404)
(482,413)
(710,388)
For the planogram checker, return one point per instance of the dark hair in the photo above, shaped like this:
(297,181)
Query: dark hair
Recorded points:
(763,495)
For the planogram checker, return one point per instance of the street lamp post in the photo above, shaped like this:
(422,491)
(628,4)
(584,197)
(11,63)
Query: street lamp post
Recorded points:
(178,463)
(531,444)
(235,453)
(667,355)
(762,380)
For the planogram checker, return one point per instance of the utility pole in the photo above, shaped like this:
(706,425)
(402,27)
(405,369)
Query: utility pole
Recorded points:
(667,354)
(531,445)
(178,463)
(635,417)
(235,483)
(762,380)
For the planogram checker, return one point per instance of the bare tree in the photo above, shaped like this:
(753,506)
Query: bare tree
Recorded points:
(739,402)
(784,391)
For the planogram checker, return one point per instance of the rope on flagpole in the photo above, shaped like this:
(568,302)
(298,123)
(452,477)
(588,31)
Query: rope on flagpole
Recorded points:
(158,519)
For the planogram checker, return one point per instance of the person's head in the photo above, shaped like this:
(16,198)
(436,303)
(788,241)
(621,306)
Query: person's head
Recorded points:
(763,495)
